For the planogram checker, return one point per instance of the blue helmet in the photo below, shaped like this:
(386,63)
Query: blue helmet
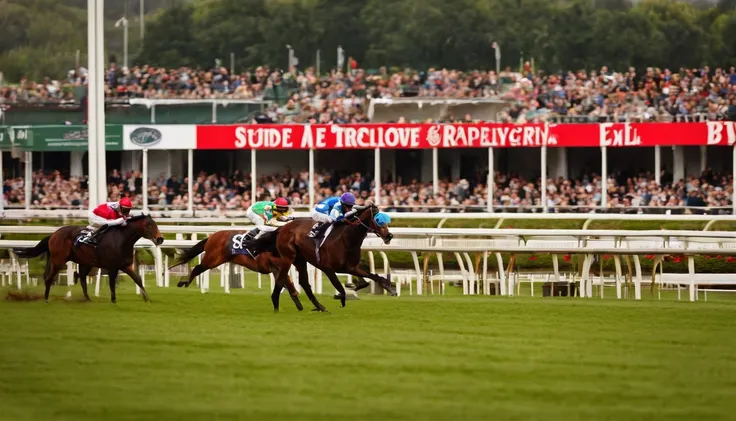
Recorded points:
(382,219)
(347,199)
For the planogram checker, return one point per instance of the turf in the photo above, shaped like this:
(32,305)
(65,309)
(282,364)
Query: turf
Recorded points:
(189,356)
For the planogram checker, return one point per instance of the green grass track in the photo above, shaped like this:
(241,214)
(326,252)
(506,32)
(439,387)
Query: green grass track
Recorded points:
(189,356)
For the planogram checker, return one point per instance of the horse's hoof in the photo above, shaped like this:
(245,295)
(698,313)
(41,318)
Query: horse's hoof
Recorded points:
(113,301)
(320,310)
(275,310)
(181,284)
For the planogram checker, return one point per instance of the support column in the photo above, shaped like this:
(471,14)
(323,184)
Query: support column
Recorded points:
(96,103)
(435,172)
(491,182)
(604,177)
(703,158)
(253,177)
(311,178)
(658,165)
(678,163)
(75,165)
(190,181)
(28,179)
(145,180)
(543,182)
(377,177)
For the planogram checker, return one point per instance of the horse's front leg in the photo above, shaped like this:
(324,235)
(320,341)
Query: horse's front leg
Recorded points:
(130,271)
(385,283)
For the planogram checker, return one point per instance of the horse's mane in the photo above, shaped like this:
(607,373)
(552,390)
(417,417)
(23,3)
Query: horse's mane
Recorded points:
(137,217)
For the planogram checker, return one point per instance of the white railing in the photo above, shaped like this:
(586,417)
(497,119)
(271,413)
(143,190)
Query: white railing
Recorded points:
(493,241)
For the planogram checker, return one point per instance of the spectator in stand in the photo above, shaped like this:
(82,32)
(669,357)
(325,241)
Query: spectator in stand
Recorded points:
(338,97)
(218,192)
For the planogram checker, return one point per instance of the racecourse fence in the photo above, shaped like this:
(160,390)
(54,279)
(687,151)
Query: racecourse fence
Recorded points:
(484,244)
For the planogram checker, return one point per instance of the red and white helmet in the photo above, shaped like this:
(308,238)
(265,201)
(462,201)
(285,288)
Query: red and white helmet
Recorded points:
(125,205)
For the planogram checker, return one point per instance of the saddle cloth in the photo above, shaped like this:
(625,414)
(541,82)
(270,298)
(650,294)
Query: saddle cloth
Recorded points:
(237,246)
(83,237)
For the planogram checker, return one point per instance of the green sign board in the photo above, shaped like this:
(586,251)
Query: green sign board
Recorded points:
(5,142)
(62,138)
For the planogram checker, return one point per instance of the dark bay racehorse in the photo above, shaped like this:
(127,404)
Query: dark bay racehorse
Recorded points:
(339,253)
(217,251)
(113,253)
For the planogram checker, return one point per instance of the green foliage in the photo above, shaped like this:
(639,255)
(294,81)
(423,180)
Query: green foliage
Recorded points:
(40,37)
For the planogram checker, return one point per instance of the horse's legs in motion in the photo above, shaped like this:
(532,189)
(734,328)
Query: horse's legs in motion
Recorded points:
(209,261)
(283,280)
(362,273)
(362,283)
(82,279)
(301,267)
(130,271)
(332,276)
(112,275)
(276,293)
(53,266)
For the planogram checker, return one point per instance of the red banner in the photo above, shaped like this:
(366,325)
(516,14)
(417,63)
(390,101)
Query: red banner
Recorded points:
(484,135)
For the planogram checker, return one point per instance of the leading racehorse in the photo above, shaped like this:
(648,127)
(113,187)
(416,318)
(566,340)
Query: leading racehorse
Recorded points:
(114,252)
(218,250)
(339,253)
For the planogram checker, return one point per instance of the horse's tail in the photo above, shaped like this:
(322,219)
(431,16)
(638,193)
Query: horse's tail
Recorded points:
(35,251)
(183,256)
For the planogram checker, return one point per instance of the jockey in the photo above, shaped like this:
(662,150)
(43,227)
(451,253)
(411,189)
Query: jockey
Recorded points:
(267,216)
(330,210)
(106,215)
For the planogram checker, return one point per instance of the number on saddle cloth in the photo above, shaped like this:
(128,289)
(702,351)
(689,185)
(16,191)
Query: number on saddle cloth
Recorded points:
(237,245)
(84,237)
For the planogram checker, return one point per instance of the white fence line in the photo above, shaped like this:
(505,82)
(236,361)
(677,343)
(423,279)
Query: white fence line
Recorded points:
(554,242)
(231,217)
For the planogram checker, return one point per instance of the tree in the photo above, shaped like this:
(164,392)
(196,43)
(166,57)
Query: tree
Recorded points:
(170,40)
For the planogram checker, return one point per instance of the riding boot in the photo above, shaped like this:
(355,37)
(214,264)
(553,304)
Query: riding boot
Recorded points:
(251,235)
(95,237)
(249,240)
(316,228)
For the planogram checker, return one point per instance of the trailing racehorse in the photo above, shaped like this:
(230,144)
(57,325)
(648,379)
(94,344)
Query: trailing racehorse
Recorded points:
(340,252)
(226,246)
(114,252)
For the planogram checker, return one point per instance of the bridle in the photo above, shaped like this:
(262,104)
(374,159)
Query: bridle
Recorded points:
(360,222)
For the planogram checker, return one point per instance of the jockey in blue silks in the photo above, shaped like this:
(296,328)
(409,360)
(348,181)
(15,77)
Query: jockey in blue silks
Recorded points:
(330,210)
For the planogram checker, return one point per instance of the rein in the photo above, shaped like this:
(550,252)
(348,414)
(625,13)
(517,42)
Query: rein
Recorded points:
(360,222)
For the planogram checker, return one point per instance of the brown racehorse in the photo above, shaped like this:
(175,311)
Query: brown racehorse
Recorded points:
(339,253)
(217,252)
(114,252)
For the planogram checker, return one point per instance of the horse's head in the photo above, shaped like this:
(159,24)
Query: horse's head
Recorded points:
(376,222)
(147,228)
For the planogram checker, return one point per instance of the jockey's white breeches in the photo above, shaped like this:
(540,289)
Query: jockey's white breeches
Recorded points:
(320,217)
(258,221)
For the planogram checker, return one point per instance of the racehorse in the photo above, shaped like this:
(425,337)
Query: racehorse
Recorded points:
(114,252)
(218,251)
(339,253)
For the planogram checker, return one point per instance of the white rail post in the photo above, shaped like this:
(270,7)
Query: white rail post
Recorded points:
(377,175)
(145,180)
(604,177)
(190,181)
(490,187)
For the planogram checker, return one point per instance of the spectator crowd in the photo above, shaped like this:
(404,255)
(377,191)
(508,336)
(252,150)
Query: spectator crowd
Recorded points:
(232,193)
(341,97)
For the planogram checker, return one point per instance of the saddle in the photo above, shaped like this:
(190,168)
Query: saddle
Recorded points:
(84,237)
